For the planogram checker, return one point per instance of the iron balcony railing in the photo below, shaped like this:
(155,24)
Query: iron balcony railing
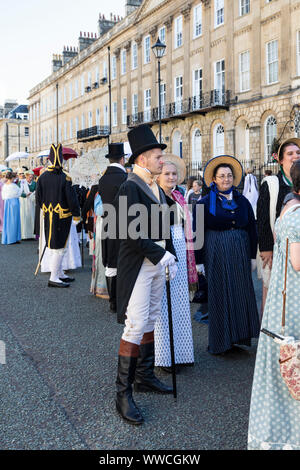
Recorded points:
(202,103)
(96,131)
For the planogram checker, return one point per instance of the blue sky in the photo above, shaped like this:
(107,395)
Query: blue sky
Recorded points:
(32,30)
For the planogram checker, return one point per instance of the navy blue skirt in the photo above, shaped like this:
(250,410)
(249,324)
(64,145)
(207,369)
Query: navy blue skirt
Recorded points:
(233,315)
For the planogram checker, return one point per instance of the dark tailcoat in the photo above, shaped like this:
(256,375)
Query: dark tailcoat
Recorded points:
(108,188)
(58,200)
(133,251)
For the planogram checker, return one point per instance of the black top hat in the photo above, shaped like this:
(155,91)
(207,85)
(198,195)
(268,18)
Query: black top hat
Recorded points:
(55,155)
(141,139)
(115,150)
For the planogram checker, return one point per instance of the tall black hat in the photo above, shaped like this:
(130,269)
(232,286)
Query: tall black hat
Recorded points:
(141,139)
(56,156)
(115,150)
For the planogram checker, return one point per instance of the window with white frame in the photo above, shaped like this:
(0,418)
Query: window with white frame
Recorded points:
(82,85)
(147,105)
(218,140)
(59,133)
(82,121)
(298,52)
(113,67)
(90,119)
(272,61)
(162,34)
(115,114)
(55,134)
(42,136)
(76,88)
(197,89)
(163,99)
(123,62)
(70,92)
(71,129)
(178,94)
(134,55)
(198,20)
(134,107)
(244,7)
(76,125)
(97,75)
(219,12)
(89,79)
(104,69)
(65,96)
(219,81)
(244,68)
(97,117)
(105,115)
(270,135)
(196,148)
(178,32)
(124,110)
(147,50)
(50,135)
(65,131)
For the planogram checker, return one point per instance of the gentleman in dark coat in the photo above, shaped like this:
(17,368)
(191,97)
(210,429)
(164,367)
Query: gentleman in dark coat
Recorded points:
(57,198)
(141,271)
(108,188)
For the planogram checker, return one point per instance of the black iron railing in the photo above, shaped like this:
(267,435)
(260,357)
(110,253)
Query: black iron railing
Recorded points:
(101,131)
(202,103)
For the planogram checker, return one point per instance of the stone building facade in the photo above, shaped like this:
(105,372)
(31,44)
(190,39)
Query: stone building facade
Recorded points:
(230,78)
(14,134)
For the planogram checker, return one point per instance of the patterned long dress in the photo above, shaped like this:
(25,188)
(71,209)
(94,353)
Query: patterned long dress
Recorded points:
(181,314)
(274,415)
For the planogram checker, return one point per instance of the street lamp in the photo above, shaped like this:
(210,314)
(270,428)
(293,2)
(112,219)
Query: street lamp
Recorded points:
(159,50)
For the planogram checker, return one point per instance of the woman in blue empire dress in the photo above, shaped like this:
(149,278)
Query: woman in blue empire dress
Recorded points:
(274,422)
(172,173)
(229,251)
(11,232)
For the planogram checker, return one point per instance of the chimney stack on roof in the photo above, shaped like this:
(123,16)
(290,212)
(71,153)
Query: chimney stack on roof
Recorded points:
(86,39)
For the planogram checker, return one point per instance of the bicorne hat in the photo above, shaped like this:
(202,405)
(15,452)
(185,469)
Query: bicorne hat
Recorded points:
(56,156)
(141,139)
(115,150)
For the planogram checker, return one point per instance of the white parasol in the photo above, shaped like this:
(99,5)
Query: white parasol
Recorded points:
(16,156)
(87,169)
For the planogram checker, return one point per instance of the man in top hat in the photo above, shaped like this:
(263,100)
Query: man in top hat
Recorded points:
(141,271)
(58,201)
(109,185)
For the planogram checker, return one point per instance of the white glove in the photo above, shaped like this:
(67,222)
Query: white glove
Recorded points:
(76,222)
(173,271)
(253,264)
(168,259)
(200,268)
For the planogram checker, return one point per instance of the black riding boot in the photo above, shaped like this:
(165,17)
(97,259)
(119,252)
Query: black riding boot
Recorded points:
(111,283)
(125,404)
(145,380)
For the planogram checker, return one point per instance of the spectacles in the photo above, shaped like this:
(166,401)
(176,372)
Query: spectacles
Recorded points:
(223,177)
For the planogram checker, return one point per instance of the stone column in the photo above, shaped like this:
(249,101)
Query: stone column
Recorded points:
(169,50)
(186,12)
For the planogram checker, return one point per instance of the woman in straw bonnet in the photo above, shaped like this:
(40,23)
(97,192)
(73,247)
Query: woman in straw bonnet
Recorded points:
(230,243)
(173,173)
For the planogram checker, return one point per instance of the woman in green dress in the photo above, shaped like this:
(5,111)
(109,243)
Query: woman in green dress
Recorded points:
(274,415)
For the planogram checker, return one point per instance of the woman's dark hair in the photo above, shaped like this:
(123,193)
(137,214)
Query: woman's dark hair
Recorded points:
(295,176)
(280,156)
(190,181)
(222,165)
(9,175)
(268,172)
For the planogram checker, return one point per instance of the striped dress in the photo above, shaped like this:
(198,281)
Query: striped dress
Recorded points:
(230,242)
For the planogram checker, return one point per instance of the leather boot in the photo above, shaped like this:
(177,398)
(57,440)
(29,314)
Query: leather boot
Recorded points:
(145,380)
(125,404)
(111,283)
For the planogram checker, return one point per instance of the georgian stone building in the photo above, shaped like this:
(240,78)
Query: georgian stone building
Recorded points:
(230,77)
(14,133)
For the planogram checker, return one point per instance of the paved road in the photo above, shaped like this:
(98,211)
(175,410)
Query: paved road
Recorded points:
(58,383)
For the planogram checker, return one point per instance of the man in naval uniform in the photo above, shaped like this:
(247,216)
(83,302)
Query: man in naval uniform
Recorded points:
(109,185)
(58,201)
(141,272)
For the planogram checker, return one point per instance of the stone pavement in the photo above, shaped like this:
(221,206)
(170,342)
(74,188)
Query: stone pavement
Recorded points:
(58,383)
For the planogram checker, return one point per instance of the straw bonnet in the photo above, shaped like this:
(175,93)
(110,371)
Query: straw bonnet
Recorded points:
(225,159)
(178,162)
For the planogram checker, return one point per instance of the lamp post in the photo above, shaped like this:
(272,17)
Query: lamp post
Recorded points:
(159,50)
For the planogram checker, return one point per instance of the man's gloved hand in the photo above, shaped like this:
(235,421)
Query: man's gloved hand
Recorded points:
(173,271)
(200,268)
(76,221)
(168,259)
